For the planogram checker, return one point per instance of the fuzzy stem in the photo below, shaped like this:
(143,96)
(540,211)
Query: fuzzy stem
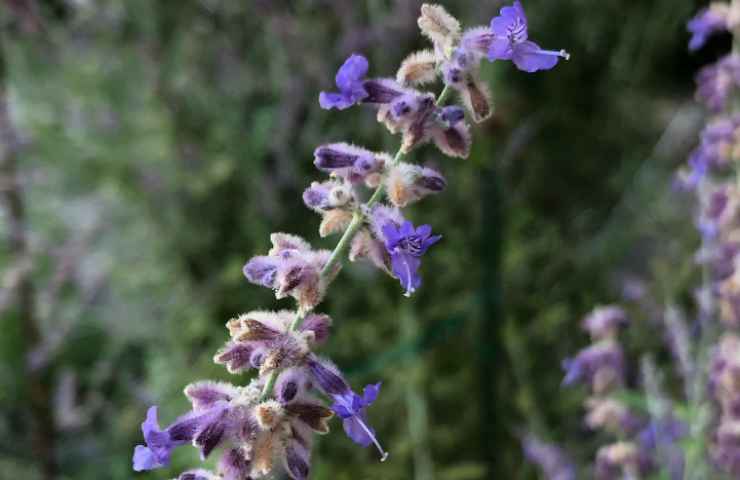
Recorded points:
(357,220)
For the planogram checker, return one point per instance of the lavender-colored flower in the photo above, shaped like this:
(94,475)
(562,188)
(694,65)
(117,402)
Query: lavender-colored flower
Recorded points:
(715,83)
(708,21)
(348,405)
(204,428)
(291,268)
(404,243)
(600,365)
(553,461)
(156,453)
(264,340)
(350,83)
(511,42)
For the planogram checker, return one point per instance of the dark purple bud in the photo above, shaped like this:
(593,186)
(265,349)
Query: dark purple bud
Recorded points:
(328,378)
(381,91)
(432,180)
(328,158)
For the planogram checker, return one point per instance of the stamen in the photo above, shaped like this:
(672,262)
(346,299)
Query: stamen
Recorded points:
(383,453)
(555,53)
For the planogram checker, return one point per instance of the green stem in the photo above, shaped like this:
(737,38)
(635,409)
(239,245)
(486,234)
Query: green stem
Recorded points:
(339,251)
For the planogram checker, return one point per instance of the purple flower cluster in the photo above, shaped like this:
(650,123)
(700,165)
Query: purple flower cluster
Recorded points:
(695,434)
(269,424)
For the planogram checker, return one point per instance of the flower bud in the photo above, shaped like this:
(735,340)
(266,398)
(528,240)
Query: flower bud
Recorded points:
(269,414)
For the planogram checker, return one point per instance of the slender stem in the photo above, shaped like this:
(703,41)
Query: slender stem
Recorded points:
(344,242)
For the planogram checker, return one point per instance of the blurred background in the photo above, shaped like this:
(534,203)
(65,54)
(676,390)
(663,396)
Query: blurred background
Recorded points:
(147,150)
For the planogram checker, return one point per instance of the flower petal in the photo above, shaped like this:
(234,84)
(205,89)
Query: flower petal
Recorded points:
(353,69)
(529,57)
(405,268)
(370,393)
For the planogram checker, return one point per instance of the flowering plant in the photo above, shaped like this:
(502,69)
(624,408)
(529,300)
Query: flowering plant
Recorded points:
(691,432)
(271,421)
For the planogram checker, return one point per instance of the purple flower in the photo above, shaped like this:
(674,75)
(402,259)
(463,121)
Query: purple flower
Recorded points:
(405,245)
(707,22)
(204,428)
(264,340)
(715,83)
(348,405)
(159,445)
(350,82)
(553,461)
(292,268)
(600,365)
(511,42)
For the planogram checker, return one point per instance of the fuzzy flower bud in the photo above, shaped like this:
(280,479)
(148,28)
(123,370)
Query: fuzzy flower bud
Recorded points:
(419,68)
(347,161)
(439,26)
(407,183)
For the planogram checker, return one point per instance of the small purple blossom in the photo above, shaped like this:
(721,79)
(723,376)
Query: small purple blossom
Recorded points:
(602,362)
(406,245)
(716,82)
(291,268)
(553,461)
(156,453)
(350,82)
(511,42)
(708,21)
(348,405)
(204,428)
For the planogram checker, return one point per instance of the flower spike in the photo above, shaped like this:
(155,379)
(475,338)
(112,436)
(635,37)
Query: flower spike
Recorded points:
(267,427)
